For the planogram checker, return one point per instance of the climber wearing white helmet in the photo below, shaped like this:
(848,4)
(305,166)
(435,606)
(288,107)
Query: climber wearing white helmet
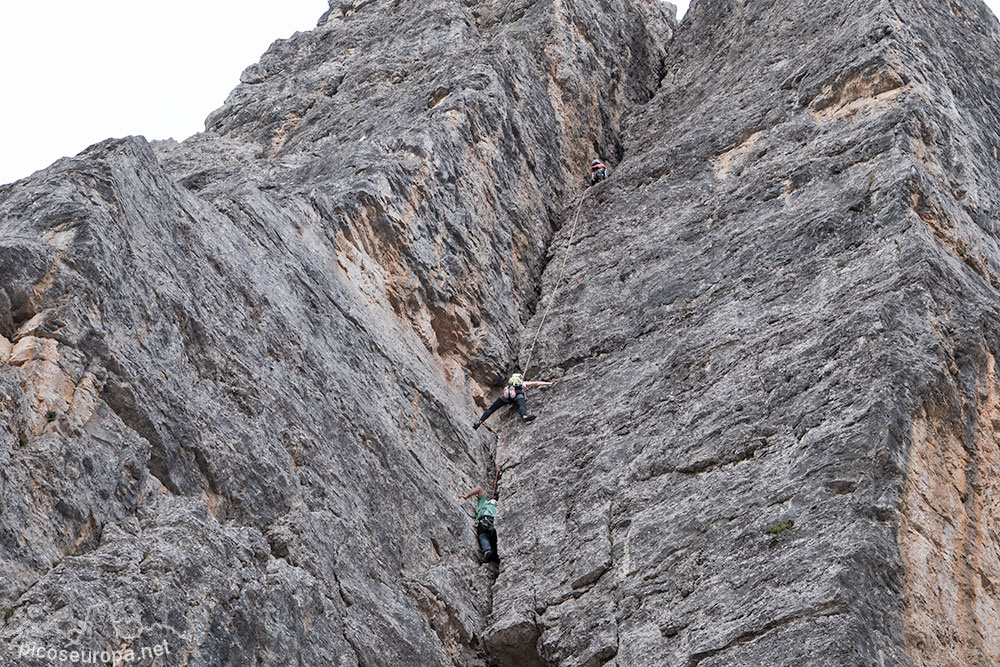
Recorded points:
(513,393)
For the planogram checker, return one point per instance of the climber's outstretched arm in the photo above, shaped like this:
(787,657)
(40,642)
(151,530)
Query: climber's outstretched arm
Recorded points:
(477,492)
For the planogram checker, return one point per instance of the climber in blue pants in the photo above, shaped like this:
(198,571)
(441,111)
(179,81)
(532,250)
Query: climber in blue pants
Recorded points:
(485,525)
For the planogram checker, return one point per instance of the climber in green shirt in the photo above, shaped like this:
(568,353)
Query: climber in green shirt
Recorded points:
(486,511)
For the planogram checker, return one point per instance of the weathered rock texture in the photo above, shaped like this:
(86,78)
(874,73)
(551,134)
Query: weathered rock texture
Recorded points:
(238,373)
(775,440)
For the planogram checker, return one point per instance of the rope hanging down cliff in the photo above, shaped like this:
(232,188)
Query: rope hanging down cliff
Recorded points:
(562,270)
(534,339)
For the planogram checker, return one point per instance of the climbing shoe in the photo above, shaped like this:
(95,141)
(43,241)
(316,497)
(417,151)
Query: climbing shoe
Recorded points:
(487,555)
(528,418)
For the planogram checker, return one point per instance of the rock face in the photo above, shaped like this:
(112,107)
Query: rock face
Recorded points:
(238,373)
(775,442)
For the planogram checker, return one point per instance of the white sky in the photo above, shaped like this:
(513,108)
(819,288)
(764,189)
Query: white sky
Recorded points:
(76,72)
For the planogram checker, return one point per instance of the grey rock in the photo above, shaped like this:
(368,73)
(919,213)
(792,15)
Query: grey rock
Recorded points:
(776,335)
(238,373)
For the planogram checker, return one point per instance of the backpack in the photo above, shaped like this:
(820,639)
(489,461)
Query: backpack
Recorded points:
(510,392)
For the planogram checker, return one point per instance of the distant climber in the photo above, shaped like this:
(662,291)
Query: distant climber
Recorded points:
(598,172)
(513,393)
(486,531)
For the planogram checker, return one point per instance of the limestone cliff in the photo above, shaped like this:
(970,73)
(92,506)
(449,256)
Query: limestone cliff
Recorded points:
(776,439)
(239,373)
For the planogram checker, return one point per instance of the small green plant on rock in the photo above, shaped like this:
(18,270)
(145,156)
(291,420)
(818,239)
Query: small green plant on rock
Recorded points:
(22,439)
(779,528)
(50,415)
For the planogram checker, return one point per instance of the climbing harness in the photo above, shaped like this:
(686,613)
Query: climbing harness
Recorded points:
(485,522)
(534,339)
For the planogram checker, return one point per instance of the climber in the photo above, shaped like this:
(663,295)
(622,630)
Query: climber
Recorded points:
(513,393)
(598,172)
(486,531)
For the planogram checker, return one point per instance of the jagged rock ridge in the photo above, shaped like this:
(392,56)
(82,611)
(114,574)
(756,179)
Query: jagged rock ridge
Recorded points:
(238,372)
(244,367)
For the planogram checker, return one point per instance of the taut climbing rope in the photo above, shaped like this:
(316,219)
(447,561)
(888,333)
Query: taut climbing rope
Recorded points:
(534,339)
(562,271)
(498,464)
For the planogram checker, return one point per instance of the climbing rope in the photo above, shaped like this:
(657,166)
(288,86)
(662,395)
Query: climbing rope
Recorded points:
(534,339)
(498,464)
(562,271)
